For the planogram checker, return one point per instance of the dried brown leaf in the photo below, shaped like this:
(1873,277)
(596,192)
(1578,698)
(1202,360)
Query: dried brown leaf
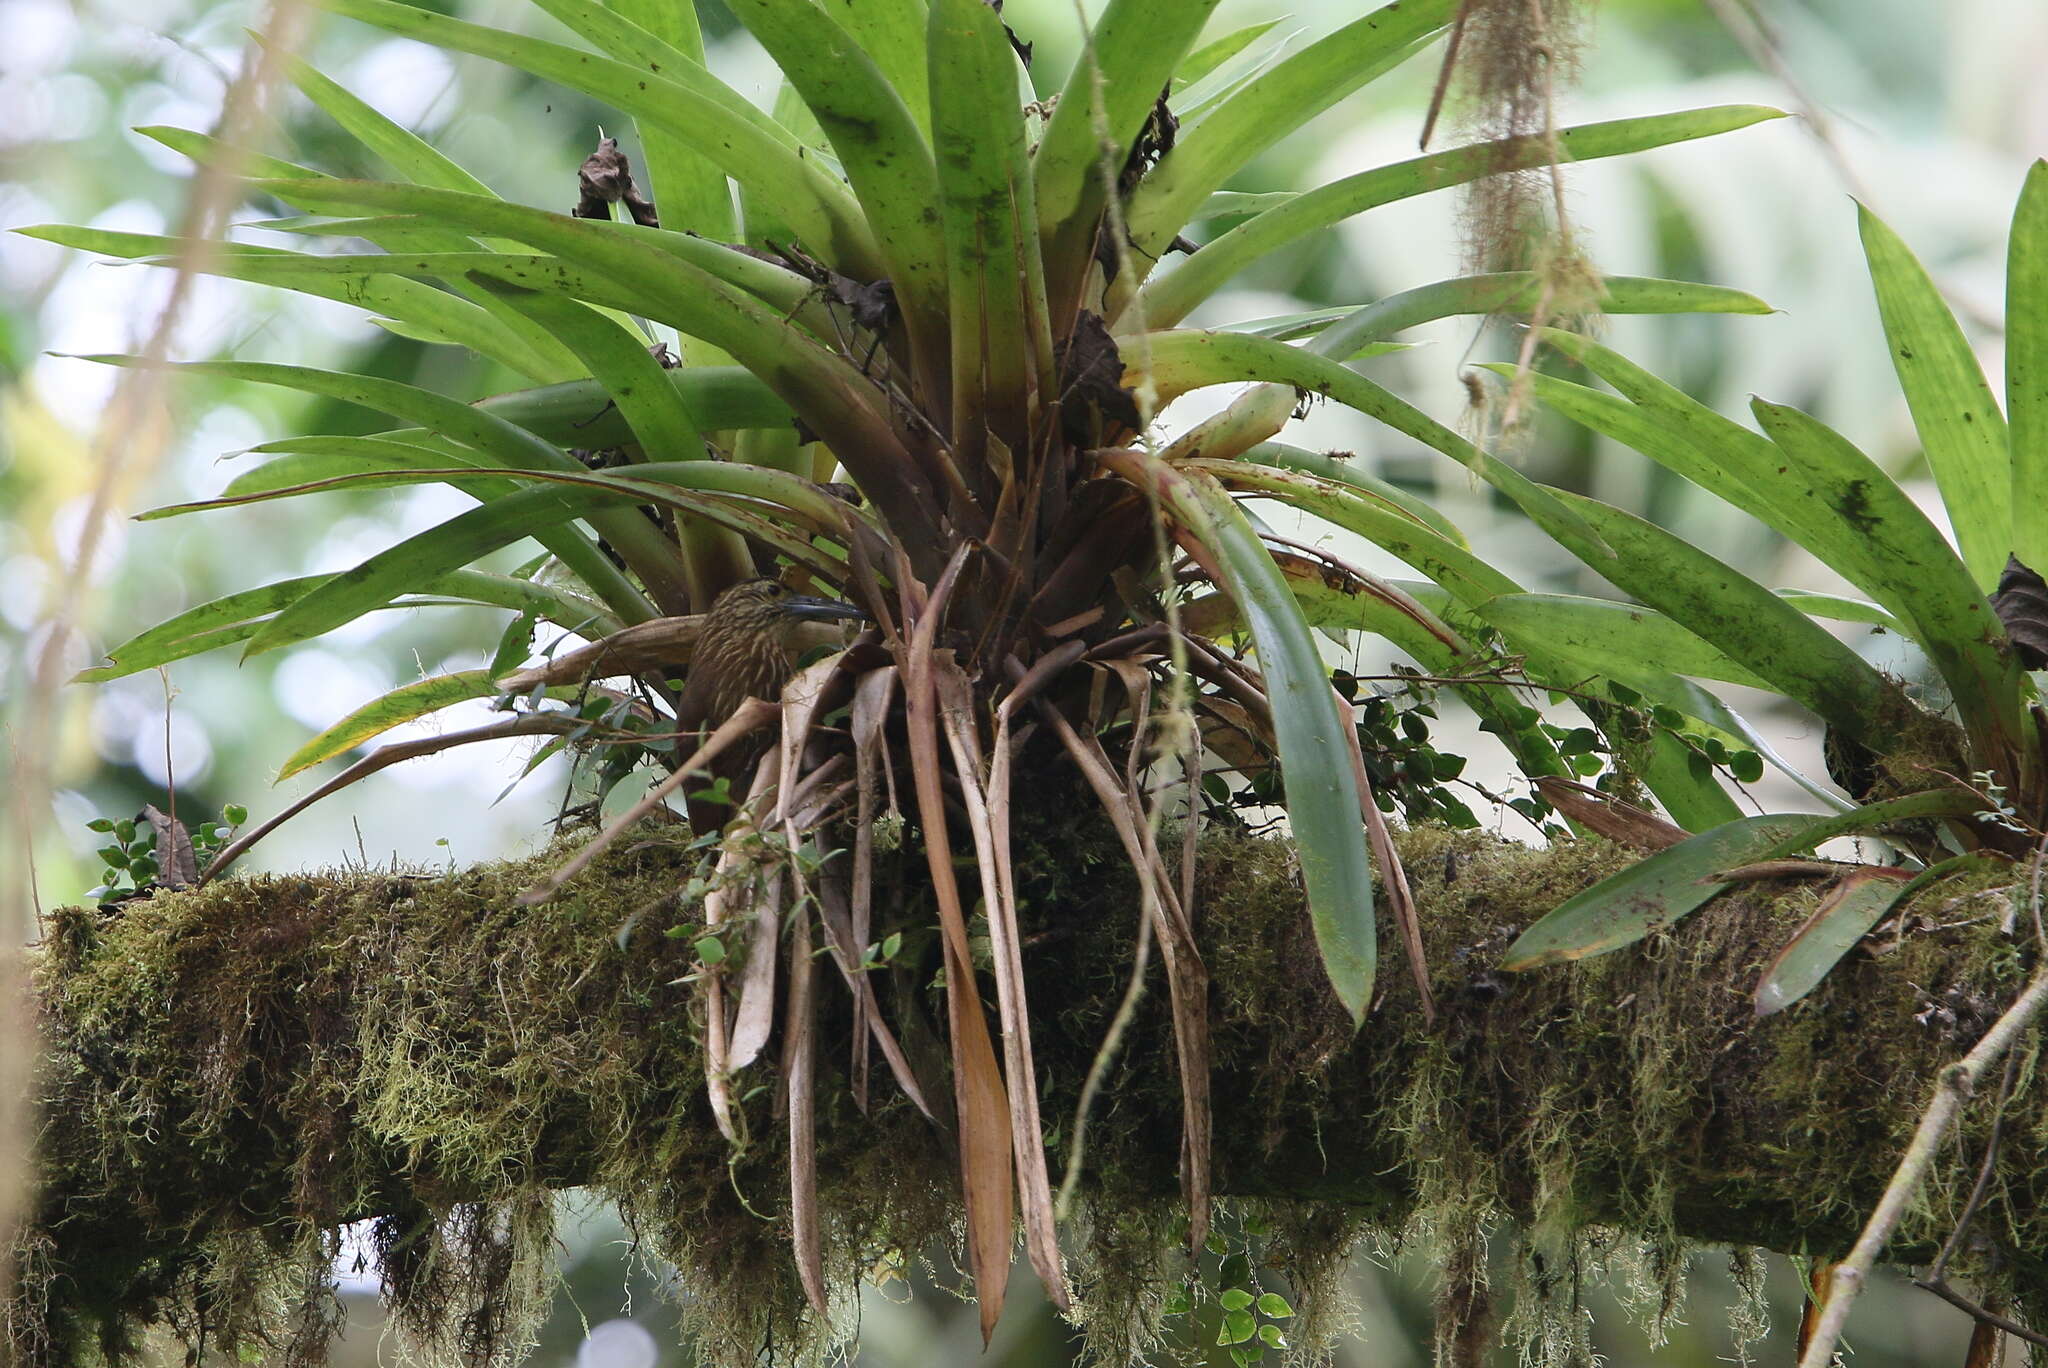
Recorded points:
(383,758)
(1619,821)
(846,953)
(800,1052)
(979,1096)
(1187,978)
(1393,877)
(177,866)
(870,716)
(2021,601)
(739,877)
(987,800)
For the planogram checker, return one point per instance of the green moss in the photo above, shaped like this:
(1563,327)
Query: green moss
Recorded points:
(235,1073)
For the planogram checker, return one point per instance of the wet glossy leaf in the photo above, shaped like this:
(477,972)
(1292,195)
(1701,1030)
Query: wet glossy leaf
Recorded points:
(1238,1326)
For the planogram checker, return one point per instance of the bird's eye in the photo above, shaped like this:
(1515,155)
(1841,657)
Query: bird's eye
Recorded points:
(777,588)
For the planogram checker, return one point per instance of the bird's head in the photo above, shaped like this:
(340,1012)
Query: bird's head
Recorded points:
(768,606)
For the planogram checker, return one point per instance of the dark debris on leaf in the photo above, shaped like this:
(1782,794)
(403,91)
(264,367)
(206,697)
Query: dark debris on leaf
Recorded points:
(871,304)
(1017,45)
(1155,140)
(2021,602)
(1092,395)
(177,863)
(605,179)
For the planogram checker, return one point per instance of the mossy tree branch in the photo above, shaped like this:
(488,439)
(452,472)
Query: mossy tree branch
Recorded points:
(236,1072)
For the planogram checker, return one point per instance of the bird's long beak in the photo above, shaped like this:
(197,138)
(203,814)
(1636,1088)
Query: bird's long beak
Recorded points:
(820,609)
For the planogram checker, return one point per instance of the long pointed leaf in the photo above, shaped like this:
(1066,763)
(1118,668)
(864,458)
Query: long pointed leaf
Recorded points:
(980,1098)
(1268,109)
(405,704)
(237,617)
(454,320)
(633,537)
(1164,302)
(405,151)
(1519,292)
(884,156)
(1322,792)
(1747,622)
(1338,468)
(1604,632)
(2026,365)
(1961,429)
(1819,503)
(1647,896)
(448,546)
(1211,55)
(576,413)
(1124,64)
(681,100)
(1920,572)
(1002,343)
(314,459)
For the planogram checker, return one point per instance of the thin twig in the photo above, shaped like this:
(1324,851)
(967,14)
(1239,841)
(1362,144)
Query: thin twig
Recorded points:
(1953,1088)
(1982,1314)
(750,715)
(529,724)
(1936,1280)
(1939,1272)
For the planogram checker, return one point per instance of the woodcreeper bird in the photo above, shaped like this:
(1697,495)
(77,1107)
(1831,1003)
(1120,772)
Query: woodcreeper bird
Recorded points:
(746,649)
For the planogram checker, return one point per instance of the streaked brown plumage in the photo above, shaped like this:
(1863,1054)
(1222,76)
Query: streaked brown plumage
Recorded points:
(746,649)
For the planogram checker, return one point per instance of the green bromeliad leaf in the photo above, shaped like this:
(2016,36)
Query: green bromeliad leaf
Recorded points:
(1284,98)
(1169,298)
(1961,429)
(237,617)
(2026,366)
(1748,623)
(1614,636)
(407,703)
(1650,895)
(1323,796)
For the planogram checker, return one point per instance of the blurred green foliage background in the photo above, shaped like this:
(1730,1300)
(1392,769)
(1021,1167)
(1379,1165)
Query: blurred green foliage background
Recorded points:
(1928,112)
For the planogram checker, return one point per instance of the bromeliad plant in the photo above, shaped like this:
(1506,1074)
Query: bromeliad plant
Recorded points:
(923,282)
(1957,775)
